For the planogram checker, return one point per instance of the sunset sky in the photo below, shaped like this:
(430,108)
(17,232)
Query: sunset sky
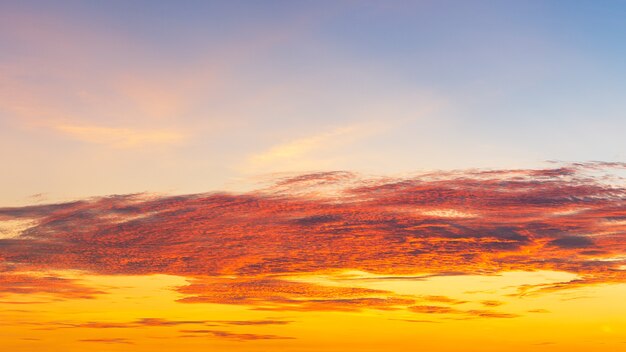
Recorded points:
(313,176)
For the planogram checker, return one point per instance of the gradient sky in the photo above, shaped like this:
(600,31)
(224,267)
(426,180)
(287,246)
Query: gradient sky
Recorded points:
(119,97)
(313,175)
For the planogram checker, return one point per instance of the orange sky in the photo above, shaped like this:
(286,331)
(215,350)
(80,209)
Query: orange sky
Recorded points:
(305,176)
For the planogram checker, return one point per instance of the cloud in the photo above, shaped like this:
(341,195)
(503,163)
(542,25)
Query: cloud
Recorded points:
(491,314)
(13,228)
(112,340)
(609,276)
(256,249)
(433,309)
(231,335)
(442,299)
(417,321)
(539,310)
(151,323)
(254,322)
(46,285)
(305,153)
(283,295)
(572,242)
(119,137)
(144,322)
(459,313)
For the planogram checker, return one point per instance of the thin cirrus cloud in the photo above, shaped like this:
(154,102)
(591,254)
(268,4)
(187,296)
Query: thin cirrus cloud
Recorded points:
(154,322)
(230,335)
(563,219)
(188,328)
(323,150)
(50,285)
(111,340)
(119,137)
(306,152)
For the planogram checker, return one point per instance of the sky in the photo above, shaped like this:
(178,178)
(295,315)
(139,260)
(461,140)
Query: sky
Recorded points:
(313,175)
(119,97)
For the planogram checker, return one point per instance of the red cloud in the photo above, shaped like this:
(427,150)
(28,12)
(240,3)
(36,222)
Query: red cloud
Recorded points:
(465,222)
(231,335)
(18,283)
(276,294)
(114,340)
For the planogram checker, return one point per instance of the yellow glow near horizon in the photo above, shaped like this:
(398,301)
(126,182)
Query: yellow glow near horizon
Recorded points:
(570,320)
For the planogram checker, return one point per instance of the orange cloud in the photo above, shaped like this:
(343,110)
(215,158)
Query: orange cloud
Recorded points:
(249,249)
(113,340)
(231,335)
(276,294)
(47,285)
(151,322)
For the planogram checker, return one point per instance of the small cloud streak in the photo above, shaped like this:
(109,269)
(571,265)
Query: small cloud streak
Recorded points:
(231,335)
(301,153)
(113,340)
(119,137)
(155,323)
(46,285)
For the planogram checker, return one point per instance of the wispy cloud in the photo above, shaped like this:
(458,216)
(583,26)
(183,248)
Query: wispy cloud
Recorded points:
(13,228)
(308,152)
(119,137)
(44,284)
(153,322)
(109,340)
(231,335)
